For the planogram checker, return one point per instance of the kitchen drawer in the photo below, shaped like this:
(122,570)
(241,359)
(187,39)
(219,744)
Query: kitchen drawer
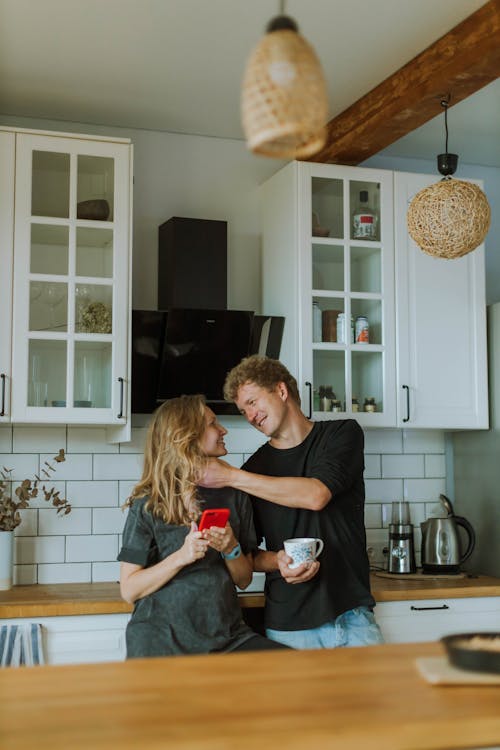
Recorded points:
(430,619)
(81,639)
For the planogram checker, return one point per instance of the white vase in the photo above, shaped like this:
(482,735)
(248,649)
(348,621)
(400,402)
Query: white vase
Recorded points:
(6,559)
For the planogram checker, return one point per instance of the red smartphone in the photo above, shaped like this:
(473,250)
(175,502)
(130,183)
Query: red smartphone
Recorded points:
(213,517)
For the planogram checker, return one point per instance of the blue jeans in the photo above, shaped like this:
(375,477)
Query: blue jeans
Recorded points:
(356,627)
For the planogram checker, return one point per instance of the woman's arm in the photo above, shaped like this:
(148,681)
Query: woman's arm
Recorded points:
(137,581)
(223,540)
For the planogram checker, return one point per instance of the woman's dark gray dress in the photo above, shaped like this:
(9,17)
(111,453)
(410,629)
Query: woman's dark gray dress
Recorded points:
(197,611)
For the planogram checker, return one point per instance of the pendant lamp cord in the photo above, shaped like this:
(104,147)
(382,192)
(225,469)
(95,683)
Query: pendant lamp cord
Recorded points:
(445,104)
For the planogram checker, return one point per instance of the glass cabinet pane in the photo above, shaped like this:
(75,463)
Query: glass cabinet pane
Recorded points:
(50,184)
(95,188)
(47,373)
(366,269)
(371,311)
(328,380)
(48,306)
(94,252)
(328,267)
(327,208)
(49,249)
(92,375)
(367,380)
(364,199)
(94,308)
(326,311)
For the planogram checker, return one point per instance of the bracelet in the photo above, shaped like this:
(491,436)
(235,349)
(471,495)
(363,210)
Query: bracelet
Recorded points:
(234,554)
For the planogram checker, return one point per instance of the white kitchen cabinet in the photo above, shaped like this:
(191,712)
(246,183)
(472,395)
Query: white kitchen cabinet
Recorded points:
(71,245)
(425,362)
(80,639)
(310,255)
(441,328)
(7,156)
(431,619)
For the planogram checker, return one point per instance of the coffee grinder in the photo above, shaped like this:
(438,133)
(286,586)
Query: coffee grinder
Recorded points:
(401,545)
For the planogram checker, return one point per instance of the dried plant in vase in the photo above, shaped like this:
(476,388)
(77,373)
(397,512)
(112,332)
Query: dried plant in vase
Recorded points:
(10,517)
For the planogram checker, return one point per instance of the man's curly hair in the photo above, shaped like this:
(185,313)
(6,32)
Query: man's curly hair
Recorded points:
(262,371)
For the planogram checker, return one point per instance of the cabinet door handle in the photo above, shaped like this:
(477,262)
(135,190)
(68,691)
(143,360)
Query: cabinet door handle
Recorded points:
(3,378)
(310,399)
(407,403)
(122,385)
(426,609)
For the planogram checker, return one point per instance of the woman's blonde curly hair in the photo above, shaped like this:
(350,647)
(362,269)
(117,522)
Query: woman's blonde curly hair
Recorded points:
(173,460)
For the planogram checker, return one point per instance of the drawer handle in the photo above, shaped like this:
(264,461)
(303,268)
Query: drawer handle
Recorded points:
(309,385)
(2,412)
(407,418)
(426,609)
(121,381)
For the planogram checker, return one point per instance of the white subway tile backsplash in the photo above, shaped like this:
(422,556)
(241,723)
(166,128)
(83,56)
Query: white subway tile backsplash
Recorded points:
(402,466)
(105,572)
(92,494)
(23,465)
(79,521)
(96,548)
(25,575)
(423,441)
(107,521)
(30,439)
(137,441)
(372,515)
(89,440)
(67,573)
(74,467)
(435,465)
(378,490)
(121,466)
(97,478)
(124,491)
(29,523)
(383,441)
(38,549)
(423,490)
(373,468)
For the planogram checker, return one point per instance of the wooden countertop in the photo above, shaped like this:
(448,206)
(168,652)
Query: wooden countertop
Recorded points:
(48,600)
(346,699)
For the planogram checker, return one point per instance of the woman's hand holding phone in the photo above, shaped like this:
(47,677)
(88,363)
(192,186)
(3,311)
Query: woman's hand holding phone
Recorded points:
(221,539)
(195,546)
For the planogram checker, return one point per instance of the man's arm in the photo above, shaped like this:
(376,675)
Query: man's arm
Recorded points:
(267,562)
(292,492)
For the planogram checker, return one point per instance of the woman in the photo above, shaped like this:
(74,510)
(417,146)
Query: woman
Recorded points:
(182,581)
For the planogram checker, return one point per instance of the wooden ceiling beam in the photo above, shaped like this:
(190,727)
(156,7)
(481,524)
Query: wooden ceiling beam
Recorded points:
(458,64)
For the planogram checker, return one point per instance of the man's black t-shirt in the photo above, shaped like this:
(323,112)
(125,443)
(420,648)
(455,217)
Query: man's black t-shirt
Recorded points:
(332,453)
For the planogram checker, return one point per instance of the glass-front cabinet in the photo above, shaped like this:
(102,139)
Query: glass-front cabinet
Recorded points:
(71,280)
(328,266)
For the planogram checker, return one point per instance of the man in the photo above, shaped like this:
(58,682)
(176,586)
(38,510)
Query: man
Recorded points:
(306,481)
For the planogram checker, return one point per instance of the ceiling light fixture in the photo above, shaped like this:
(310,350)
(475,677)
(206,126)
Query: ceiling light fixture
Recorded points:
(452,217)
(284,102)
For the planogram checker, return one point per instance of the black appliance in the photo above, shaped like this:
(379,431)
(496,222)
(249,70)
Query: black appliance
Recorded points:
(191,351)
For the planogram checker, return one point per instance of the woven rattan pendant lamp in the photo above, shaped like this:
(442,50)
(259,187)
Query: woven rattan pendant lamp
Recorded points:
(452,217)
(284,103)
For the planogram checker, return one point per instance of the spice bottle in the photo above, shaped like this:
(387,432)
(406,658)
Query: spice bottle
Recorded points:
(355,404)
(370,404)
(364,219)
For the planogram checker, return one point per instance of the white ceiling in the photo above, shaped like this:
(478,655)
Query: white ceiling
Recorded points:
(177,65)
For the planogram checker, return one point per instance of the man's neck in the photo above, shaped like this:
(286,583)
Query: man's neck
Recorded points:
(294,430)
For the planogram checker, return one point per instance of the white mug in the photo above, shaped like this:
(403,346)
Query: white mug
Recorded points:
(303,550)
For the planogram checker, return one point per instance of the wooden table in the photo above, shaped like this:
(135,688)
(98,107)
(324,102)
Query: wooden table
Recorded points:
(349,699)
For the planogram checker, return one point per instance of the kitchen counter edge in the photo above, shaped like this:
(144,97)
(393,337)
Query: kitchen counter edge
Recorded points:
(65,599)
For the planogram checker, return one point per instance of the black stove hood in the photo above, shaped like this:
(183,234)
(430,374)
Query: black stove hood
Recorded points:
(184,351)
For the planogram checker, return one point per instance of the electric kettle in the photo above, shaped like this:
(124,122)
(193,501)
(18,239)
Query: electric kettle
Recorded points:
(441,550)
